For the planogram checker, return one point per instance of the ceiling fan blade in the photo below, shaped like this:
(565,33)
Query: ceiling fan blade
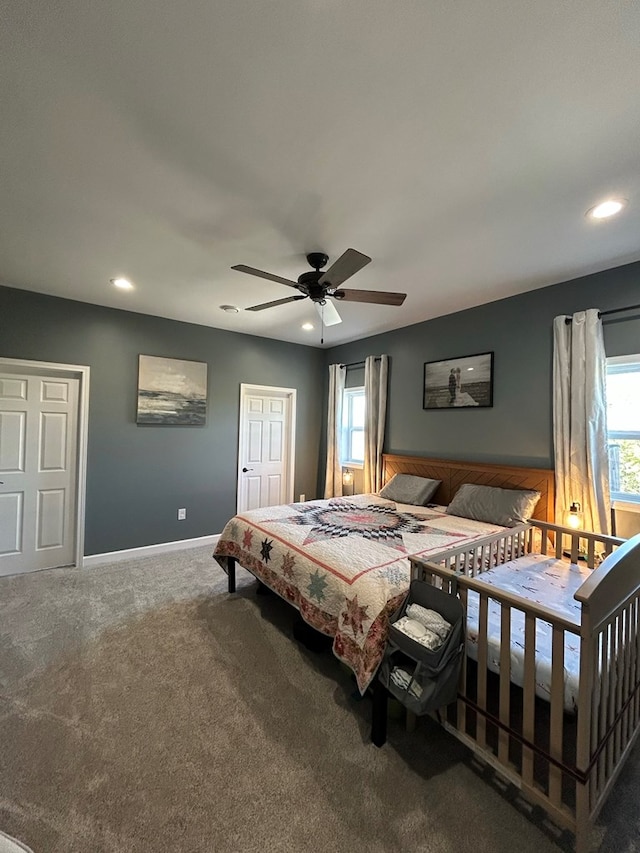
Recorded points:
(262,274)
(329,313)
(377,297)
(276,302)
(347,265)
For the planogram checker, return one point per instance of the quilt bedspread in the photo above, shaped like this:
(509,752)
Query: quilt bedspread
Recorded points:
(344,563)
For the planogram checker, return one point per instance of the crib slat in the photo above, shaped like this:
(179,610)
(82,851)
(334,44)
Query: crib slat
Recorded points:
(586,735)
(505,681)
(462,706)
(629,642)
(544,542)
(633,663)
(611,657)
(529,696)
(559,538)
(591,553)
(481,725)
(555,718)
(604,704)
(595,713)
(633,668)
(627,684)
(620,670)
(575,548)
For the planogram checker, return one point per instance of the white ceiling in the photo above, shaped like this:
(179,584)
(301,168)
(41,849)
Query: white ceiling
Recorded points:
(456,143)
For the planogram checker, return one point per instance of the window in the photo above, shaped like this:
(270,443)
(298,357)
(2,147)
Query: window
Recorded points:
(623,424)
(353,427)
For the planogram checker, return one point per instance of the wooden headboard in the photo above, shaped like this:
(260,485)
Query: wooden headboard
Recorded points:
(454,474)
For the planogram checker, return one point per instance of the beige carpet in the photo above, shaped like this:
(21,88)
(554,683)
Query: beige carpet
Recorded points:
(144,710)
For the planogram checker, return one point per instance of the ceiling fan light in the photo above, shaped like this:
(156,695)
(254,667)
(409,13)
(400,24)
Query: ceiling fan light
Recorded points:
(328,313)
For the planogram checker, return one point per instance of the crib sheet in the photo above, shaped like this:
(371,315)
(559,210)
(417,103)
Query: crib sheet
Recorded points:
(549,582)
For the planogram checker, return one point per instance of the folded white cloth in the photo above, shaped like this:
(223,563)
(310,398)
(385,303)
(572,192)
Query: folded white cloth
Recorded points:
(417,631)
(12,845)
(431,619)
(402,679)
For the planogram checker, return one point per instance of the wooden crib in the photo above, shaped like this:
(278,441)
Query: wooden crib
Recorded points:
(565,762)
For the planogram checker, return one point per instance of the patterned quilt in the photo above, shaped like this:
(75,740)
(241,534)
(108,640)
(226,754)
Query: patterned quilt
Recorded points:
(344,563)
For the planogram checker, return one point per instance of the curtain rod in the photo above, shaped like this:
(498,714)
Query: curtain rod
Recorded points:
(358,363)
(611,311)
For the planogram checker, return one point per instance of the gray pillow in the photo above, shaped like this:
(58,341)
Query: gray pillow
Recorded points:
(507,507)
(409,489)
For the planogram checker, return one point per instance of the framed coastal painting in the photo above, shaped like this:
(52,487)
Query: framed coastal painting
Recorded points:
(459,383)
(171,391)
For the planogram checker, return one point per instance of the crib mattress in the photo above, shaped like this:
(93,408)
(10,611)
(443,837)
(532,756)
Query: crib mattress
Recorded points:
(549,582)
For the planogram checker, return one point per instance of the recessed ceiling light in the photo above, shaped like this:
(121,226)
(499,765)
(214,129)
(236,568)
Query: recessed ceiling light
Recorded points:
(122,283)
(230,309)
(307,326)
(607,208)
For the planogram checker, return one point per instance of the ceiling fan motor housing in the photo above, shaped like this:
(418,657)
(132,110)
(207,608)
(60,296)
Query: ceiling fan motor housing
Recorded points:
(309,281)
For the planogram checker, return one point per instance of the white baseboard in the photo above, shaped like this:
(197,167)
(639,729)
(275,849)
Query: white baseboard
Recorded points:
(147,551)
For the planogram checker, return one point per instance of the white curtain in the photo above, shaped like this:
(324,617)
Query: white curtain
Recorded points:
(580,420)
(375,394)
(333,481)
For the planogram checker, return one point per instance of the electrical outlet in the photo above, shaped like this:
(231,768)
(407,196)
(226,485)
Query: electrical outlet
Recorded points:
(303,498)
(182,514)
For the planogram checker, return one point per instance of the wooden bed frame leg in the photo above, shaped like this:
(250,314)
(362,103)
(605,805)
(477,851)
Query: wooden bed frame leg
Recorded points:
(231,574)
(379,714)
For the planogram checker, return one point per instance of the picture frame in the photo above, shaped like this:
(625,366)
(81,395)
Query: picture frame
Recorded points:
(171,391)
(448,385)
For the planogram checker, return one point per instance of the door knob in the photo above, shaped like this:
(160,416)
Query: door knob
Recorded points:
(244,470)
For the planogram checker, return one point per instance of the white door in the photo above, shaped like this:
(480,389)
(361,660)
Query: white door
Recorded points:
(265,463)
(38,467)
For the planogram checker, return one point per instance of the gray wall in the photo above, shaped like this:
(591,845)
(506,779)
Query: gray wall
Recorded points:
(518,429)
(138,476)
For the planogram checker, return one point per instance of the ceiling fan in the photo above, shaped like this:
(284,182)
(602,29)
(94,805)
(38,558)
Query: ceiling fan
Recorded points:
(318,285)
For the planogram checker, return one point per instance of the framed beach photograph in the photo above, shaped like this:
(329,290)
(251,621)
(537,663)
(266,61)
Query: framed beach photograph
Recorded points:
(171,391)
(459,383)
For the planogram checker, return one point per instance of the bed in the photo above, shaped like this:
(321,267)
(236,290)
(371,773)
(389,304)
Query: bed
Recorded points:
(549,693)
(344,563)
